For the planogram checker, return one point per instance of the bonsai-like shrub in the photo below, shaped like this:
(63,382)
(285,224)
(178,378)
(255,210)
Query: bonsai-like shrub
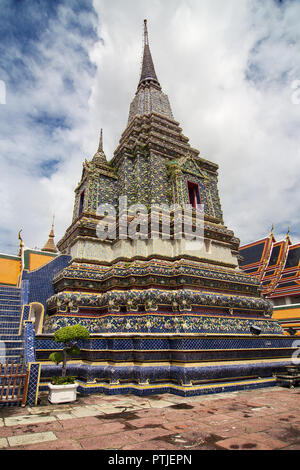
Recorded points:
(69,336)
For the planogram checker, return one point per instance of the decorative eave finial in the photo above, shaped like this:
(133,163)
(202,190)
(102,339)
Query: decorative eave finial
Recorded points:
(21,243)
(272,231)
(288,233)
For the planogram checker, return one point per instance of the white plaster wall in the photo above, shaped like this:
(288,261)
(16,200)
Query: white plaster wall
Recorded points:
(101,251)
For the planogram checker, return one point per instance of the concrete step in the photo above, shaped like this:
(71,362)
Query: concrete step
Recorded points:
(11,355)
(14,342)
(9,312)
(9,328)
(5,338)
(10,291)
(10,308)
(15,315)
(14,300)
(9,318)
(16,359)
(11,351)
(4,330)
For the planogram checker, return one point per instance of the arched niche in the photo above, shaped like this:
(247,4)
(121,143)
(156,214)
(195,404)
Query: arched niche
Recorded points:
(37,316)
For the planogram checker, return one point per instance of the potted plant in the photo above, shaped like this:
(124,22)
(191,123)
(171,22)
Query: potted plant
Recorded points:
(63,389)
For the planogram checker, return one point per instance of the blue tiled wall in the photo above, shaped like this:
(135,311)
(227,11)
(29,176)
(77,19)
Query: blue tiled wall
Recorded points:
(40,286)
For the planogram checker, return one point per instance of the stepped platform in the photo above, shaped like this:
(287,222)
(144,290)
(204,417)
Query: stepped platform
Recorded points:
(11,343)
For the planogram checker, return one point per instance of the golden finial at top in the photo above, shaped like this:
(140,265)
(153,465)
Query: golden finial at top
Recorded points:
(19,237)
(21,242)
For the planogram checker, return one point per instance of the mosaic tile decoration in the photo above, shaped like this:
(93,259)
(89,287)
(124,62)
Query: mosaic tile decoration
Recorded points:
(29,342)
(163,324)
(33,384)
(40,286)
(115,380)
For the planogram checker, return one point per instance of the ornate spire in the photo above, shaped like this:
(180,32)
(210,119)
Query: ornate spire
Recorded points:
(149,97)
(50,245)
(148,71)
(99,156)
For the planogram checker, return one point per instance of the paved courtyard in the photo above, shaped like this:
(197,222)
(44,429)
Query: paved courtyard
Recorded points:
(265,419)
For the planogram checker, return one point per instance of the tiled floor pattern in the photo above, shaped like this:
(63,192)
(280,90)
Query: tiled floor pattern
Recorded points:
(265,419)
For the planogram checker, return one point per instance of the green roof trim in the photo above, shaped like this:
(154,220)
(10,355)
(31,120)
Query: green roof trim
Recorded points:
(13,257)
(36,252)
(286,307)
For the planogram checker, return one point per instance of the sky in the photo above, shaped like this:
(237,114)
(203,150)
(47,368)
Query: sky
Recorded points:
(71,67)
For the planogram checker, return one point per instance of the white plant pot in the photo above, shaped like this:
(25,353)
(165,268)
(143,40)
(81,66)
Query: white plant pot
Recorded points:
(62,393)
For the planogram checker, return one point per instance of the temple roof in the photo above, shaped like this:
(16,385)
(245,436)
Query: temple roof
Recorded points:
(275,263)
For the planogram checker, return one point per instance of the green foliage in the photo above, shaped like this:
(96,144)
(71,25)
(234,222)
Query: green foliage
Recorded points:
(67,334)
(62,380)
(56,357)
(74,351)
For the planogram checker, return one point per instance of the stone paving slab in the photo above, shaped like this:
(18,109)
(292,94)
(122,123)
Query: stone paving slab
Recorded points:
(33,438)
(85,411)
(3,443)
(29,419)
(242,443)
(264,419)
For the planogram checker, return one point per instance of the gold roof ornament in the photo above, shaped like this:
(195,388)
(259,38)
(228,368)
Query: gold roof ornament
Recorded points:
(50,245)
(21,243)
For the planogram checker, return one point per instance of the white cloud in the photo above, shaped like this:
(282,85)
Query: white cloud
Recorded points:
(228,69)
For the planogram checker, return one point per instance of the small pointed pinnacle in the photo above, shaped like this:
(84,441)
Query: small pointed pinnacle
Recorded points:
(100,148)
(146,38)
(52,227)
(50,245)
(99,156)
